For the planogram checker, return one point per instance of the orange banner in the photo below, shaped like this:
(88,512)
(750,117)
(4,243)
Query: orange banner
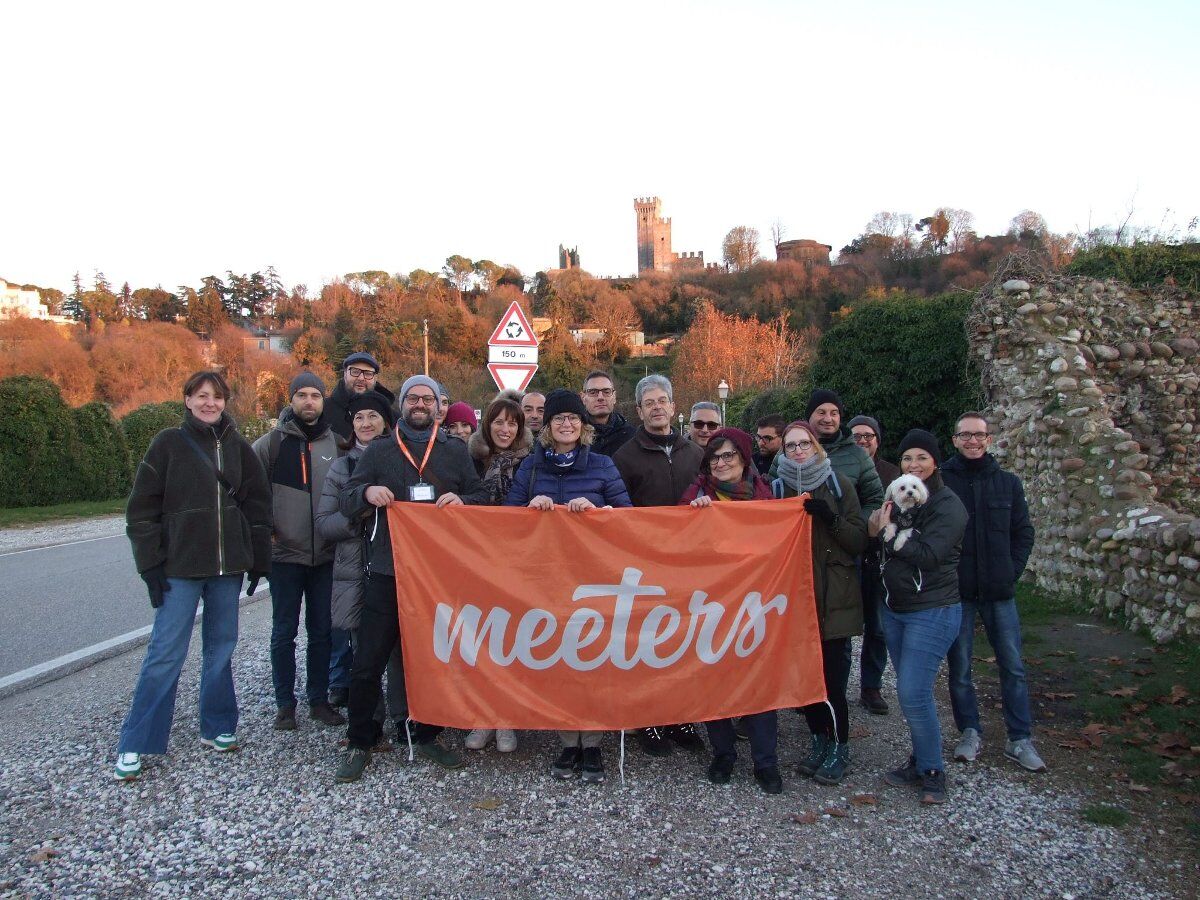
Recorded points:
(606,619)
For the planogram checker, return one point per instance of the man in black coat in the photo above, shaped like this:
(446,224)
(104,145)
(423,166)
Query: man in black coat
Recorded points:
(400,466)
(868,435)
(600,400)
(360,373)
(995,549)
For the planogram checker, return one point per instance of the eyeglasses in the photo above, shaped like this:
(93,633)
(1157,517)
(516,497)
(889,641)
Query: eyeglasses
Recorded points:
(566,419)
(655,404)
(701,425)
(793,446)
(356,372)
(726,457)
(867,438)
(600,392)
(420,400)
(763,438)
(972,435)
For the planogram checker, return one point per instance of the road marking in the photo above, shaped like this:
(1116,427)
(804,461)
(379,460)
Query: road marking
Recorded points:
(68,663)
(63,544)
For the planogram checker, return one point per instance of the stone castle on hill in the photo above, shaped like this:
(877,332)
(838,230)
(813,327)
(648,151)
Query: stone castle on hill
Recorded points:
(654,241)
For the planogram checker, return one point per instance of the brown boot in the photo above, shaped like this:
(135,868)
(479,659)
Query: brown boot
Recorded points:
(285,719)
(326,715)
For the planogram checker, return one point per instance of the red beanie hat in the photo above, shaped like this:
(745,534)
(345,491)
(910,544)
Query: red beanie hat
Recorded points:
(461,412)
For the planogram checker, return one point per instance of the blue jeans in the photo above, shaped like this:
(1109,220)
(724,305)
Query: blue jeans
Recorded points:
(341,657)
(917,643)
(147,725)
(763,729)
(1003,628)
(292,584)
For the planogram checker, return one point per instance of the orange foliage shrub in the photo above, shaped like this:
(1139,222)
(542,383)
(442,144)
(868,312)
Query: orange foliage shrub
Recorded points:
(32,347)
(143,363)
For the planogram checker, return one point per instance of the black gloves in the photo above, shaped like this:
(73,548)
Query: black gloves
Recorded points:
(819,509)
(254,579)
(156,584)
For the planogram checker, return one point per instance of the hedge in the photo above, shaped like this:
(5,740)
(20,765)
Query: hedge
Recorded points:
(104,466)
(903,360)
(1142,265)
(39,448)
(146,421)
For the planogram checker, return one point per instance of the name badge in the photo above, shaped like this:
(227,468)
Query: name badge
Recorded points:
(421,493)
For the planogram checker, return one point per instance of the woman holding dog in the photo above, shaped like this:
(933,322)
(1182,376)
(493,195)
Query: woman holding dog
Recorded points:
(921,611)
(839,534)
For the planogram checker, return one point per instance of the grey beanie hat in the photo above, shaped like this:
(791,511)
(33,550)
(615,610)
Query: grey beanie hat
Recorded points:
(305,380)
(423,381)
(870,423)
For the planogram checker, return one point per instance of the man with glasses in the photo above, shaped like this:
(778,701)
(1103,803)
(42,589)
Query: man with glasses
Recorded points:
(867,434)
(416,463)
(769,437)
(704,421)
(360,373)
(657,465)
(995,548)
(533,404)
(600,400)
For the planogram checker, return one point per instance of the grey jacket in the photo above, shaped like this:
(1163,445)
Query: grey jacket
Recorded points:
(349,575)
(295,476)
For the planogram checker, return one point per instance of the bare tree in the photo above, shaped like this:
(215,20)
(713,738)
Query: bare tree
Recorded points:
(740,247)
(777,233)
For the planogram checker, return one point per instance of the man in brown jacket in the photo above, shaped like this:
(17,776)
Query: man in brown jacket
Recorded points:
(657,466)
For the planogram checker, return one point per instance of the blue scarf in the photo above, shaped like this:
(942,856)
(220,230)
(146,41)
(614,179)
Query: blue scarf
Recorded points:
(561,460)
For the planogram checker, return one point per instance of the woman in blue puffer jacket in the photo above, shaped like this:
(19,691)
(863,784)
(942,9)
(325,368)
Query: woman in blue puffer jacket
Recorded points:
(564,471)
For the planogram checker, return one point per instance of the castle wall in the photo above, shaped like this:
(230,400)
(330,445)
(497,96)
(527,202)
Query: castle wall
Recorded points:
(1093,391)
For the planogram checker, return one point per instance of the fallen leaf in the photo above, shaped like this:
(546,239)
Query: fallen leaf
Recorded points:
(864,800)
(652,860)
(837,812)
(44,854)
(1178,694)
(489,803)
(1138,708)
(1074,745)
(1092,733)
(1056,695)
(1139,788)
(804,818)
(1123,692)
(1115,661)
(859,733)
(1143,673)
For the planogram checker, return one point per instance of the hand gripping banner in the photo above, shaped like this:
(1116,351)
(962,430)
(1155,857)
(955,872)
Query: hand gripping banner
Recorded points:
(605,619)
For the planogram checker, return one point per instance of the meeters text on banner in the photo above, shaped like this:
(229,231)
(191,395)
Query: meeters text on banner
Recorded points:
(605,619)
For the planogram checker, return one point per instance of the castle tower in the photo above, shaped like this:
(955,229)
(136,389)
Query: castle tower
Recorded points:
(653,235)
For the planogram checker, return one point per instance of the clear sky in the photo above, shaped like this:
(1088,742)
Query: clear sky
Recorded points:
(162,142)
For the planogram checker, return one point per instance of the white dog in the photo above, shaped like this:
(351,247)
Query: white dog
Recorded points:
(906,493)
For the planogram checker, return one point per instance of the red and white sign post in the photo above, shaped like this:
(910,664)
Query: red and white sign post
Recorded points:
(513,350)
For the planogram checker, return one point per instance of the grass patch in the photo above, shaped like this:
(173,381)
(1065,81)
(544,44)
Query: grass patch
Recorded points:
(31,515)
(1103,814)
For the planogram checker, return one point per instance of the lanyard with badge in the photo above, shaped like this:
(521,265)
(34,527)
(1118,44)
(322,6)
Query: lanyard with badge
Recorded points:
(421,492)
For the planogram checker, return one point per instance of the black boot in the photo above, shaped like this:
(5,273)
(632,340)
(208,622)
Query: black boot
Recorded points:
(769,780)
(721,769)
(654,742)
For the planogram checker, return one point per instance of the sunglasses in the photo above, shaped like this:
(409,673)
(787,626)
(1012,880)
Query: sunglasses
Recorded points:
(702,425)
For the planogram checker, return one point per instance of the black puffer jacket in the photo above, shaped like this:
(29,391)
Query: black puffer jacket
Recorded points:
(336,406)
(999,535)
(923,574)
(612,435)
(180,517)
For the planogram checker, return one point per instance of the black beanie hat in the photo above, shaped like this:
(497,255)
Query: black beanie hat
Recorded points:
(305,380)
(922,440)
(371,400)
(560,400)
(822,395)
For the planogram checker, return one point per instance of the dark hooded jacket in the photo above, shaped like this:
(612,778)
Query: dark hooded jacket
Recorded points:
(296,475)
(612,435)
(999,535)
(656,475)
(338,403)
(923,574)
(181,517)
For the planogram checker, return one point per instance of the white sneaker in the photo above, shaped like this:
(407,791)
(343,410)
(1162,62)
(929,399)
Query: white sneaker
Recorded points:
(129,766)
(968,746)
(1022,753)
(506,740)
(222,743)
(478,739)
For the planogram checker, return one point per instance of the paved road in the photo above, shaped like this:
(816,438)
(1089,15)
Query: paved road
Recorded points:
(54,600)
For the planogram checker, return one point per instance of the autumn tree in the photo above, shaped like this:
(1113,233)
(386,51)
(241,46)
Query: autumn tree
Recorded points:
(100,304)
(205,310)
(613,313)
(1028,224)
(34,347)
(143,363)
(740,248)
(157,305)
(459,271)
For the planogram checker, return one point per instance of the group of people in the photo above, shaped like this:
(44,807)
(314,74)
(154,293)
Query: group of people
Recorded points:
(303,507)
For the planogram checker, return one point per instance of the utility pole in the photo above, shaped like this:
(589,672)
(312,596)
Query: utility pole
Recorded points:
(425,323)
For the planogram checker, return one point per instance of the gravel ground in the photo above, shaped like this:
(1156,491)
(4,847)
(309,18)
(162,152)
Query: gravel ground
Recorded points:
(270,822)
(60,532)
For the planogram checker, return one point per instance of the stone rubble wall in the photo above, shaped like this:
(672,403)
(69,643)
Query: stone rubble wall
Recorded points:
(1093,390)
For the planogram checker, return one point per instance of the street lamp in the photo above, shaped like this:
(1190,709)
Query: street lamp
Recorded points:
(681,423)
(723,393)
